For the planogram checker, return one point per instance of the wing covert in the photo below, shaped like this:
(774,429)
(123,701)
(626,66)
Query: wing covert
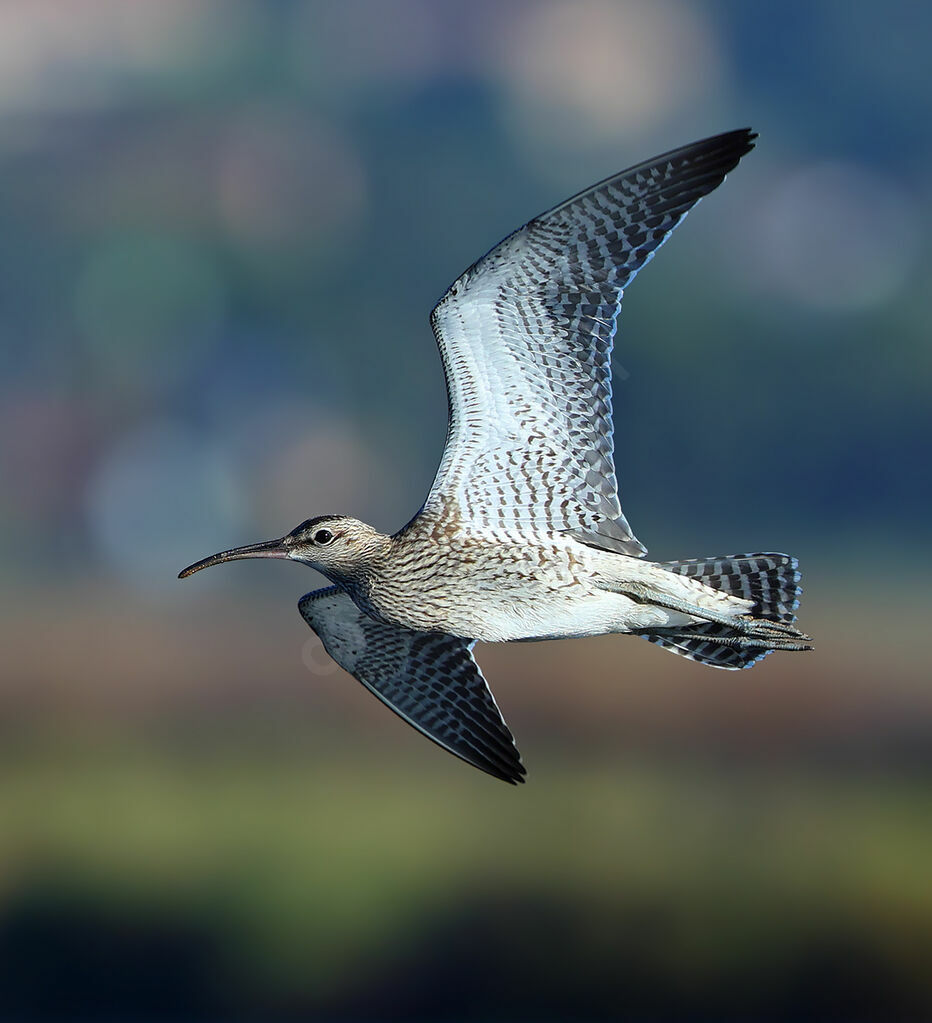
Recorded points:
(525,336)
(429,679)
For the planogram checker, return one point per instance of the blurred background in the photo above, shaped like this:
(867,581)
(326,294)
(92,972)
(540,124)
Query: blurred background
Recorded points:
(223,227)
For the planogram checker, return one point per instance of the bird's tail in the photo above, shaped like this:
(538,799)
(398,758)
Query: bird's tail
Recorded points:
(771,581)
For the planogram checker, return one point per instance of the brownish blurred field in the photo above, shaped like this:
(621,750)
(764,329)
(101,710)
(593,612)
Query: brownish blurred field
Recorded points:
(186,806)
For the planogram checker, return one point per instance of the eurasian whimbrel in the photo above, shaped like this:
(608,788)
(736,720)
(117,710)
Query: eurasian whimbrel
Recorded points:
(522,535)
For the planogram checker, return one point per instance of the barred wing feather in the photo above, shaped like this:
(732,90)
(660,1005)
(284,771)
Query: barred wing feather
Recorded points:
(526,340)
(429,679)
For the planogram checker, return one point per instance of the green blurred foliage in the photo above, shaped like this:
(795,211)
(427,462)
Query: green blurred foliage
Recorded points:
(712,878)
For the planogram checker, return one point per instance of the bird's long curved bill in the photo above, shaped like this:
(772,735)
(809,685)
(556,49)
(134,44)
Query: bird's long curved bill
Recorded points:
(266,549)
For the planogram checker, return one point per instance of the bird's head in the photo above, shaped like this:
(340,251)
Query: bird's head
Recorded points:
(336,545)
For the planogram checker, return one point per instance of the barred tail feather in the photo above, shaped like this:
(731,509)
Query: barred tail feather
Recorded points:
(770,580)
(707,644)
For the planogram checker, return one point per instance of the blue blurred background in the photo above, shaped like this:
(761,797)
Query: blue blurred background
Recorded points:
(222,227)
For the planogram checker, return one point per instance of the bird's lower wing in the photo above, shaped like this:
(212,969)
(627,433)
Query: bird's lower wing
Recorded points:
(430,679)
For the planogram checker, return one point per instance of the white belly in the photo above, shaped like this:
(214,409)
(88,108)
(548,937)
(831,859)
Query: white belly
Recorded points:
(592,614)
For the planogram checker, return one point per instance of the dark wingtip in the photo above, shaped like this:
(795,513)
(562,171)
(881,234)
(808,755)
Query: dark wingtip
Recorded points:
(750,137)
(730,146)
(516,776)
(721,151)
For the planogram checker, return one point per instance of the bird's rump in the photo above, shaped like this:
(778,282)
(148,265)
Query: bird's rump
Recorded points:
(526,339)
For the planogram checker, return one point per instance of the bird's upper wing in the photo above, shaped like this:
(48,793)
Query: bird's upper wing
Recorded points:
(526,336)
(429,679)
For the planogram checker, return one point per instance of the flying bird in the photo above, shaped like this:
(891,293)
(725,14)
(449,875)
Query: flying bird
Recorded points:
(522,535)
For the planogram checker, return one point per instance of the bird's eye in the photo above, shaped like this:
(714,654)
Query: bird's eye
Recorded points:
(323,536)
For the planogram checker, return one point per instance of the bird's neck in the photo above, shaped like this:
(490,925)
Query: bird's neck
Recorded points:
(368,564)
